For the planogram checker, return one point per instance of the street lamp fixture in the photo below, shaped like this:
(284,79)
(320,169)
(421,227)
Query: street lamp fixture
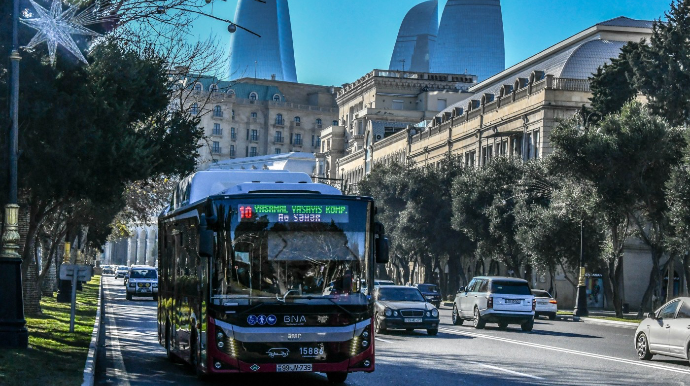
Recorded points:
(13,332)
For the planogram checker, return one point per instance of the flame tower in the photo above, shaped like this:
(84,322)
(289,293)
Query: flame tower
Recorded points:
(417,38)
(470,39)
(270,55)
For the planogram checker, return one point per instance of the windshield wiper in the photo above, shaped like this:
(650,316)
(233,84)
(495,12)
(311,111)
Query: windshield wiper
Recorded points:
(286,295)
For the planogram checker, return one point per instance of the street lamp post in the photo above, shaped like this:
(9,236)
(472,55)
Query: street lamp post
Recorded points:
(581,300)
(13,333)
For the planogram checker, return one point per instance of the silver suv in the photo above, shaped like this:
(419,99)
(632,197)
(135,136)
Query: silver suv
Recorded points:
(490,299)
(143,281)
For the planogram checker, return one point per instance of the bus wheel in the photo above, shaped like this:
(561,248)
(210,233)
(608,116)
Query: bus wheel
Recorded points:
(336,377)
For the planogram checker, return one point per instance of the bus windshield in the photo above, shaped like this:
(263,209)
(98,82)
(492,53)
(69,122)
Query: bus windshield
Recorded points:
(291,252)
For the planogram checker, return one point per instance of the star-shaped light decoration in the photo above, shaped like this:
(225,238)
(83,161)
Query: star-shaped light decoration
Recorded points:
(57,27)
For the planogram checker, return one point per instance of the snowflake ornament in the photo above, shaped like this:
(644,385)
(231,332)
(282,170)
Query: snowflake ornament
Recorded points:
(57,27)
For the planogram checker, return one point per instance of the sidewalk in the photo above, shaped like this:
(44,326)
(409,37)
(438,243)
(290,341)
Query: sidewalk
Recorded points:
(596,315)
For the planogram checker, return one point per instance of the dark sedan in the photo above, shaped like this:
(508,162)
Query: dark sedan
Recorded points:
(431,293)
(401,307)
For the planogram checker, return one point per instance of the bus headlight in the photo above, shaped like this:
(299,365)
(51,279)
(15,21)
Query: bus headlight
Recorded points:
(434,313)
(388,312)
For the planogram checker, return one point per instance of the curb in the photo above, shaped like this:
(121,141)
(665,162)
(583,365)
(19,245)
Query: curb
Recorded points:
(611,323)
(90,366)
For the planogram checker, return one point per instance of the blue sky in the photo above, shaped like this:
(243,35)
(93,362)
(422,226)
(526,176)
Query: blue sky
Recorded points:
(338,41)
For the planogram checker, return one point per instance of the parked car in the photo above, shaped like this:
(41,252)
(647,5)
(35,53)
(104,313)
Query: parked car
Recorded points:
(121,272)
(108,270)
(402,307)
(492,299)
(431,293)
(665,332)
(546,304)
(143,281)
(378,282)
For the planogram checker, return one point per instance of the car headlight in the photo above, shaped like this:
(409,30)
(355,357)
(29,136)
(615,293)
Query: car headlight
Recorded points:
(434,313)
(395,313)
(131,284)
(388,312)
(428,314)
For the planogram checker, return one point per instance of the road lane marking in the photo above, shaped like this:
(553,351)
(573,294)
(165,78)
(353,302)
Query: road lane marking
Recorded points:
(567,351)
(116,350)
(383,340)
(507,371)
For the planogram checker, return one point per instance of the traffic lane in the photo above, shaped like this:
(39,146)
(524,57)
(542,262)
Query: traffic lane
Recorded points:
(511,361)
(133,356)
(599,339)
(401,357)
(132,331)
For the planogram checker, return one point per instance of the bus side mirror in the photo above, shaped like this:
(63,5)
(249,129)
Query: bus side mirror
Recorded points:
(382,250)
(205,238)
(382,244)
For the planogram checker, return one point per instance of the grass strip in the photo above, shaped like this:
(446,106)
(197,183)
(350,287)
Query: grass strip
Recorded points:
(55,356)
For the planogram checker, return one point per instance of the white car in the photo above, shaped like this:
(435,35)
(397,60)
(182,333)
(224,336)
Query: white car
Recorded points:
(143,281)
(665,332)
(546,304)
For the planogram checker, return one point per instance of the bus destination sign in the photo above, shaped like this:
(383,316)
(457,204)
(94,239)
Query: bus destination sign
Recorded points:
(299,213)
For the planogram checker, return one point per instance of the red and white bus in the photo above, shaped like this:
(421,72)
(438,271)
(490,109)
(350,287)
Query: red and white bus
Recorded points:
(271,275)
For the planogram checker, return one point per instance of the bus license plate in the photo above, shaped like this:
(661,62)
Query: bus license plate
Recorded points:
(413,320)
(293,368)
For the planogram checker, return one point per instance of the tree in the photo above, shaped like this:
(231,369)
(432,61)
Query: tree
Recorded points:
(484,202)
(661,69)
(612,85)
(628,159)
(414,204)
(678,201)
(658,69)
(106,126)
(560,215)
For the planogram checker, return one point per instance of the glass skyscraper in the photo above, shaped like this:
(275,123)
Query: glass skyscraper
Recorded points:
(416,39)
(470,39)
(270,55)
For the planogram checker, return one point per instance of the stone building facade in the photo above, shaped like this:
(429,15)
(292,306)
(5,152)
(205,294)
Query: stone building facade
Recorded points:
(255,117)
(510,114)
(377,106)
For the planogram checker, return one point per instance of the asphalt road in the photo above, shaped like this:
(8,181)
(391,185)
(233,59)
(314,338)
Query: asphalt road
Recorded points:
(555,353)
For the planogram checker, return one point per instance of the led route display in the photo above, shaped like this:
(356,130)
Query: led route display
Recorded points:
(295,213)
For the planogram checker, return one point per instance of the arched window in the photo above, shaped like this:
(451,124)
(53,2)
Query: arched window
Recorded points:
(213,88)
(217,111)
(231,92)
(195,109)
(253,96)
(276,98)
(279,119)
(198,88)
